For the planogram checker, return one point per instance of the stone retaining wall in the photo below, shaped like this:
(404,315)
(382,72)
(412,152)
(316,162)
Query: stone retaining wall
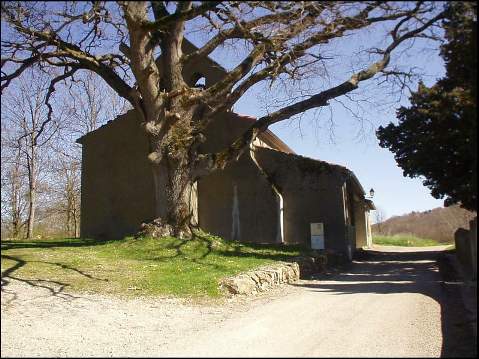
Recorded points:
(261,279)
(265,277)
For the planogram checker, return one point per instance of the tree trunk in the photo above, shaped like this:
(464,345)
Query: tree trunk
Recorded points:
(176,199)
(15,219)
(31,162)
(15,207)
(179,192)
(172,157)
(77,227)
(68,219)
(31,209)
(15,202)
(75,218)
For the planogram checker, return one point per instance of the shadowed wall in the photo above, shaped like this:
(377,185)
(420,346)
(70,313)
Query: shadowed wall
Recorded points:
(117,180)
(257,203)
(311,192)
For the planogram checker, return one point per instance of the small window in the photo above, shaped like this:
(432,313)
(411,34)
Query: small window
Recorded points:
(200,83)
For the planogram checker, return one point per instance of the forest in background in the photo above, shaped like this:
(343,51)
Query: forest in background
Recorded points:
(438,224)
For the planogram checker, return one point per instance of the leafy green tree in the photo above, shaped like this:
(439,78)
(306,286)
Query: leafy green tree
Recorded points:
(436,137)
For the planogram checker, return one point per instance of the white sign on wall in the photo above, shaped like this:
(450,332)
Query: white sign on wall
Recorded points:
(317,235)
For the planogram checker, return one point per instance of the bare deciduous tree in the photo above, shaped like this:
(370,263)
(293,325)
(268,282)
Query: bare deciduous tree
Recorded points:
(279,39)
(13,189)
(31,131)
(379,218)
(67,190)
(93,104)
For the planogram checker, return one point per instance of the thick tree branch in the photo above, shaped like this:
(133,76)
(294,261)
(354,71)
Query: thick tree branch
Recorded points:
(142,61)
(334,29)
(184,14)
(219,160)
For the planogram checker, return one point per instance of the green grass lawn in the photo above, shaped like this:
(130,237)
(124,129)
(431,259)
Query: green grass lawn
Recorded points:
(134,267)
(405,241)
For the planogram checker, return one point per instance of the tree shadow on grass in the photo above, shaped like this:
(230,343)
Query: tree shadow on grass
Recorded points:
(50,243)
(276,252)
(244,249)
(53,287)
(427,273)
(223,248)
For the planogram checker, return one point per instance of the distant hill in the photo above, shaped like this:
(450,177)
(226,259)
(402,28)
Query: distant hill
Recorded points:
(438,223)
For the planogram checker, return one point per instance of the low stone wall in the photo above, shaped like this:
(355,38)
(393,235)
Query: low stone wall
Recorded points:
(263,278)
(309,265)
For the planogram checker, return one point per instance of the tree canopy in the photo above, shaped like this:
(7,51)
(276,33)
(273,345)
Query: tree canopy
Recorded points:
(436,137)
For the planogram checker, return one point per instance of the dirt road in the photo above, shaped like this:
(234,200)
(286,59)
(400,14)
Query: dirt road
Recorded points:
(386,304)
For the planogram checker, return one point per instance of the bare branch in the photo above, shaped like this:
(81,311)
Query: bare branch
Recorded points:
(65,49)
(245,29)
(185,12)
(51,90)
(278,64)
(236,149)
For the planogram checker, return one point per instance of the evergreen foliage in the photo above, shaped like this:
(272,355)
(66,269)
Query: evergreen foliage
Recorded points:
(436,137)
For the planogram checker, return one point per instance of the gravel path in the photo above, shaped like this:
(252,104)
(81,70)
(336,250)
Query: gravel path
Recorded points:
(387,304)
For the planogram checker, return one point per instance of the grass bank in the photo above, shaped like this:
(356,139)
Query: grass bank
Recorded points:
(133,267)
(405,241)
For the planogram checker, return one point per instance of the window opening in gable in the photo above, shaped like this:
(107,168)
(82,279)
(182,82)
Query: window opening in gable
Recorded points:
(200,83)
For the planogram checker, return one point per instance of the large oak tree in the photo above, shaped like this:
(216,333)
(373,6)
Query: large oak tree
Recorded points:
(121,42)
